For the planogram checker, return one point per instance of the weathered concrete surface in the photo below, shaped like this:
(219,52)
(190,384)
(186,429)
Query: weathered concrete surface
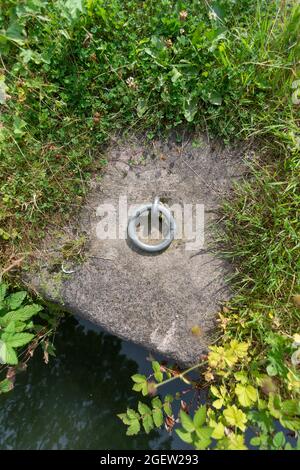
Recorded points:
(152,300)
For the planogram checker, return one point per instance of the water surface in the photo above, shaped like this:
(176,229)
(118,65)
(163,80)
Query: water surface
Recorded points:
(72,402)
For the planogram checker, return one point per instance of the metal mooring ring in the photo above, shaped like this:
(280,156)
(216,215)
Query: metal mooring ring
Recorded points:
(155,207)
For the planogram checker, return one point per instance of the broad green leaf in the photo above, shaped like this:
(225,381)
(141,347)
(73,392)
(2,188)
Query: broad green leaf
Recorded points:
(279,440)
(138,387)
(246,394)
(19,339)
(157,372)
(235,417)
(290,423)
(218,403)
(15,32)
(204,433)
(220,394)
(158,417)
(199,417)
(201,444)
(186,421)
(255,441)
(14,301)
(138,378)
(241,377)
(133,428)
(184,436)
(6,386)
(240,350)
(143,408)
(167,408)
(124,418)
(274,405)
(236,442)
(156,403)
(22,314)
(291,407)
(145,389)
(132,414)
(215,391)
(7,354)
(218,431)
(159,376)
(148,423)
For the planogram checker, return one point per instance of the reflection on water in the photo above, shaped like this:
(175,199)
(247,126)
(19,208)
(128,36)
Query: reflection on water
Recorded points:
(72,402)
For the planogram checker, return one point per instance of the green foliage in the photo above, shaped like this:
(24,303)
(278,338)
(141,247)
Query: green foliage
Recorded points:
(75,72)
(14,324)
(18,330)
(147,416)
(241,396)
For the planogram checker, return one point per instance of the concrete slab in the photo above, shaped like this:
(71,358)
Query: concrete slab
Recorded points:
(153,300)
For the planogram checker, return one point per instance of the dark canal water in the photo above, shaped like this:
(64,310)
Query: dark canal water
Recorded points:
(72,402)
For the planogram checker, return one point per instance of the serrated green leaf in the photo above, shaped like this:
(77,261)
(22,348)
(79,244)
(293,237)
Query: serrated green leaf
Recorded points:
(155,366)
(143,408)
(7,354)
(156,402)
(22,314)
(132,414)
(236,442)
(14,300)
(159,376)
(148,423)
(290,407)
(218,431)
(204,433)
(19,339)
(247,394)
(235,417)
(124,418)
(167,408)
(133,428)
(290,423)
(158,417)
(138,378)
(279,440)
(199,417)
(186,421)
(145,389)
(138,387)
(184,436)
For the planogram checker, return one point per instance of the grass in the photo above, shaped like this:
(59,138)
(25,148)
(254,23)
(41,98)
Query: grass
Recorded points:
(72,77)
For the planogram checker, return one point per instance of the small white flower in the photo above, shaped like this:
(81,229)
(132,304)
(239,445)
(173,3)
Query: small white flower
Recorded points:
(131,83)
